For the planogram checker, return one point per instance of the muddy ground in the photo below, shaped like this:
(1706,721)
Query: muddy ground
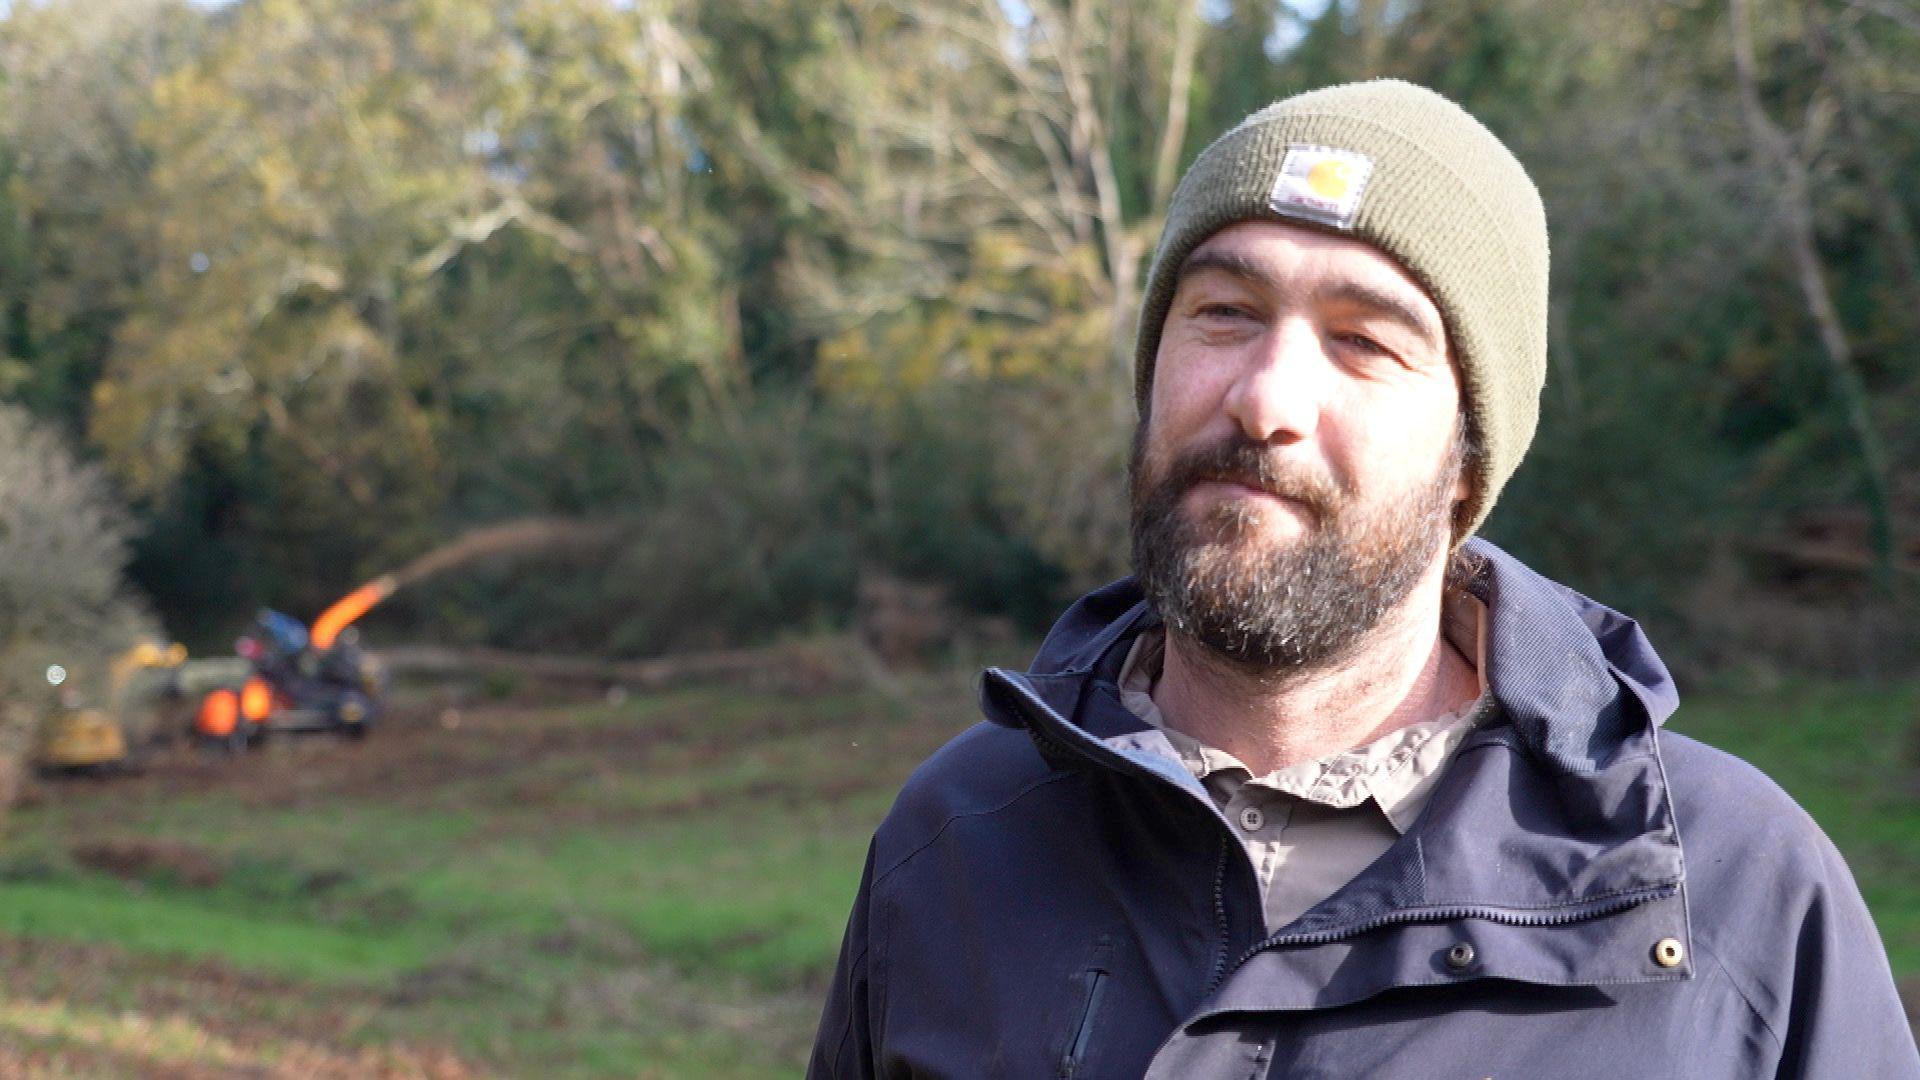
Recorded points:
(566,984)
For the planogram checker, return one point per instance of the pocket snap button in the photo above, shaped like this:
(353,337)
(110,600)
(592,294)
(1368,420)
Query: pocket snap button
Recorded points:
(1460,957)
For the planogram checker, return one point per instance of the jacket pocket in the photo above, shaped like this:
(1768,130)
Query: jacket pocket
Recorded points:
(1092,982)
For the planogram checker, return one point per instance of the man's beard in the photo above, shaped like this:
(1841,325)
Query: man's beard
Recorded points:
(1280,607)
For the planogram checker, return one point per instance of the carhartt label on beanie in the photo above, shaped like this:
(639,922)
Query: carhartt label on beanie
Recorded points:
(1319,183)
(1404,169)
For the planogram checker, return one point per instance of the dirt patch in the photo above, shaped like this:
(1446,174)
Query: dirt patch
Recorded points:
(408,758)
(530,769)
(450,980)
(65,1012)
(513,768)
(63,1059)
(408,753)
(140,859)
(65,1056)
(414,756)
(794,793)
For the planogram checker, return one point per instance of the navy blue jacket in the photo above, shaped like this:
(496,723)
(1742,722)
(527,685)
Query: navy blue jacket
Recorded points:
(1584,896)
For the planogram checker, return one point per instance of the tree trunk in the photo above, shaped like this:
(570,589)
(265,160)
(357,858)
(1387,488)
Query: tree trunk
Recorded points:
(1796,211)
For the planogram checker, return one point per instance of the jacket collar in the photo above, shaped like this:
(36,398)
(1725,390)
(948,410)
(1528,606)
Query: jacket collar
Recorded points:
(1553,813)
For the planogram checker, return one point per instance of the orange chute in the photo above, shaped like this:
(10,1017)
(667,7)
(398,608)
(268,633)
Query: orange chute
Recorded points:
(256,699)
(219,714)
(348,608)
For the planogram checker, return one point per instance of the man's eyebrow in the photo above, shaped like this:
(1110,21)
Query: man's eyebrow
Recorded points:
(1376,300)
(1232,263)
(1385,304)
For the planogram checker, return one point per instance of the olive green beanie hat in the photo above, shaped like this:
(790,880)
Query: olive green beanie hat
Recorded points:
(1408,171)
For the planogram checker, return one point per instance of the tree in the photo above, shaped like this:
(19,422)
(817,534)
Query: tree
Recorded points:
(74,167)
(1790,175)
(383,231)
(996,173)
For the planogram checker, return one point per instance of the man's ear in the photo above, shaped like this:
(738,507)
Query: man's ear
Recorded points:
(1463,456)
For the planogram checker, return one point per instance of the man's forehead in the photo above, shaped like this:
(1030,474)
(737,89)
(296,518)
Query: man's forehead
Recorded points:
(1280,255)
(1280,243)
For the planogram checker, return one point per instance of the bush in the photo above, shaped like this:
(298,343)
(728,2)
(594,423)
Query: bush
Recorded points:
(762,523)
(63,547)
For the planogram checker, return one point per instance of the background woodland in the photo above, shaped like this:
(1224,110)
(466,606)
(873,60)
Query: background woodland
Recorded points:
(800,297)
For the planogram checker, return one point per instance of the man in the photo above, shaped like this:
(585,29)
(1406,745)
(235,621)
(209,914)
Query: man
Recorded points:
(1327,790)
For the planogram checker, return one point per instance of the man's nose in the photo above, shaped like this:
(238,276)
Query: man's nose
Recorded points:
(1283,384)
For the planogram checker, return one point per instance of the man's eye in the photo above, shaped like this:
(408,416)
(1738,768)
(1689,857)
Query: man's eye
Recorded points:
(1361,342)
(1223,311)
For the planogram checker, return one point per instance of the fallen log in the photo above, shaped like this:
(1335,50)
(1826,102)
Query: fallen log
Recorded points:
(815,665)
(1830,556)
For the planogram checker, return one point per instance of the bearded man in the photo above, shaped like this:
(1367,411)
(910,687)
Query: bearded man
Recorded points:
(1329,789)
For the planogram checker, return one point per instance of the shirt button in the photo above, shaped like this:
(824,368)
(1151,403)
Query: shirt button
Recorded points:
(1251,819)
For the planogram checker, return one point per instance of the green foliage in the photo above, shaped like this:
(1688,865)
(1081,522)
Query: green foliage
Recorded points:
(754,524)
(74,94)
(948,503)
(1693,417)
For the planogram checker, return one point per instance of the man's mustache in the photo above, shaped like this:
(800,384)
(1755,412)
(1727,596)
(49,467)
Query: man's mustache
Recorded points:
(1239,460)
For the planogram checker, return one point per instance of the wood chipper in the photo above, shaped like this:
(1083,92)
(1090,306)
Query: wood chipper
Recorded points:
(320,679)
(301,679)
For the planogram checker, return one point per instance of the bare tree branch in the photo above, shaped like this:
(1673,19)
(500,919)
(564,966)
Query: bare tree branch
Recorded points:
(990,171)
(512,210)
(1090,133)
(1049,143)
(1173,133)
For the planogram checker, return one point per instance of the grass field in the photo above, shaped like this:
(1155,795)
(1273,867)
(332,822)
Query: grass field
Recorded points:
(652,888)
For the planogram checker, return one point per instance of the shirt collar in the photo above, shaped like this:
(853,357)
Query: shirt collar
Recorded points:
(1397,770)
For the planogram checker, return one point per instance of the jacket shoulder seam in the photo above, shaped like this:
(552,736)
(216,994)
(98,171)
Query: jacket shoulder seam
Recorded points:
(1022,793)
(1702,949)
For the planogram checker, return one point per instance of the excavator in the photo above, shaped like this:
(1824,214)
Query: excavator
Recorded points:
(301,678)
(149,688)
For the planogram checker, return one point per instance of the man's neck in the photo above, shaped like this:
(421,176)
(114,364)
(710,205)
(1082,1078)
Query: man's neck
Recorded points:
(1403,672)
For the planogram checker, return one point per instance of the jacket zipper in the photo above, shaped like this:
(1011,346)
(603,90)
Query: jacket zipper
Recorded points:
(1220,917)
(1579,913)
(1227,843)
(1082,1034)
